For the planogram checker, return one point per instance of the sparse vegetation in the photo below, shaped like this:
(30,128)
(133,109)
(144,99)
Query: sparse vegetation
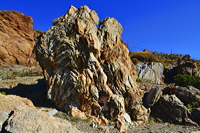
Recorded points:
(190,107)
(3,93)
(142,57)
(185,80)
(14,75)
(152,120)
(76,119)
(73,119)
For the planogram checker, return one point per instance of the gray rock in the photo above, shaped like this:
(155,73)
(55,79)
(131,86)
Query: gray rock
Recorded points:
(3,117)
(31,120)
(152,71)
(188,95)
(94,125)
(52,112)
(176,109)
(126,117)
(153,96)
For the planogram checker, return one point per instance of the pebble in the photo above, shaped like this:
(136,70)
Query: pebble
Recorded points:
(52,112)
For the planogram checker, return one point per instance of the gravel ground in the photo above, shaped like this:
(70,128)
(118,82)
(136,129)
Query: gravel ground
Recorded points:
(149,128)
(152,127)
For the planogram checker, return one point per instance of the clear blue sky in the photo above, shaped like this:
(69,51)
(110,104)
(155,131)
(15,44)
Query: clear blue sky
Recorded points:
(157,25)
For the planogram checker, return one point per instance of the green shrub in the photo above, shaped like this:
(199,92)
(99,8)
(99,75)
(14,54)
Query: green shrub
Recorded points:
(86,120)
(13,75)
(190,107)
(3,93)
(76,119)
(185,80)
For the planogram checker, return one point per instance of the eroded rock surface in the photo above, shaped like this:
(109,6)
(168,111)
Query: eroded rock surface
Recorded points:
(23,117)
(176,109)
(153,96)
(187,66)
(188,95)
(16,39)
(89,68)
(152,71)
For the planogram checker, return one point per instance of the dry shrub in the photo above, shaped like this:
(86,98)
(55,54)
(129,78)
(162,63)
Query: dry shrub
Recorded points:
(142,57)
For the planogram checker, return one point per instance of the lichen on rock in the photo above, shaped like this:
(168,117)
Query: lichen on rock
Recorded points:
(89,68)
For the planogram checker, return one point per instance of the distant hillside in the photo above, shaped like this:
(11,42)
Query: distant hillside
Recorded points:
(168,60)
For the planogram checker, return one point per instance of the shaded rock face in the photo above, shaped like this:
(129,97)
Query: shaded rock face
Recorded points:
(16,39)
(176,109)
(196,115)
(88,67)
(153,96)
(151,71)
(189,95)
(21,116)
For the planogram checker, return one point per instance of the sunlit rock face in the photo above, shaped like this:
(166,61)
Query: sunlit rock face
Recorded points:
(16,39)
(89,68)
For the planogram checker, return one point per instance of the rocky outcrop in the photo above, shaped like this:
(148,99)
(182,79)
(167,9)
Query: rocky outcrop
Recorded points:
(188,95)
(187,66)
(21,116)
(16,39)
(152,71)
(89,68)
(176,109)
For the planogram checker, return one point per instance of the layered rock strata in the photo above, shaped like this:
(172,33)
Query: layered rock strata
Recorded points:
(89,68)
(16,39)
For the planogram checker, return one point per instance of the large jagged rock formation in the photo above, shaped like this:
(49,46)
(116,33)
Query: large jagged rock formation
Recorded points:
(89,68)
(16,39)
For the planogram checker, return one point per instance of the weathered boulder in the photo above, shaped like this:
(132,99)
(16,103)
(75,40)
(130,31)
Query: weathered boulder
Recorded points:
(16,39)
(188,95)
(152,71)
(176,109)
(187,66)
(23,117)
(88,67)
(153,96)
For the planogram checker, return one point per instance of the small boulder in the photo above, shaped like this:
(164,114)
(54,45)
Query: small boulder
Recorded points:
(153,96)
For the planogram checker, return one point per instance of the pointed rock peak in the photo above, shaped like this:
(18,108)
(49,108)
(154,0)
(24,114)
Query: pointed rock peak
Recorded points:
(71,10)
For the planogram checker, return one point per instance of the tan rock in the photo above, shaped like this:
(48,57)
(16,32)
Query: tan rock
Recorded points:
(89,67)
(25,118)
(16,39)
